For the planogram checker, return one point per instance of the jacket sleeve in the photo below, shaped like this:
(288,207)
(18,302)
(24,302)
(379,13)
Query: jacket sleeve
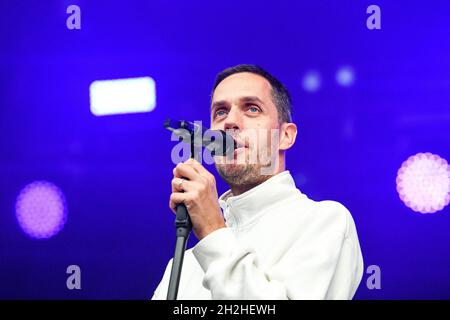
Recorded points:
(324,262)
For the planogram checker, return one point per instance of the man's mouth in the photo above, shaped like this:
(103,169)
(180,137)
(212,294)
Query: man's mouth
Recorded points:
(239,144)
(239,149)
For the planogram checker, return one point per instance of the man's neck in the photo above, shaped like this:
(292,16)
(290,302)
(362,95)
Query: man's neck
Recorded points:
(242,188)
(237,190)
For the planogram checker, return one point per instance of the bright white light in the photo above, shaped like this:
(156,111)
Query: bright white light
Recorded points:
(311,81)
(345,76)
(122,96)
(423,183)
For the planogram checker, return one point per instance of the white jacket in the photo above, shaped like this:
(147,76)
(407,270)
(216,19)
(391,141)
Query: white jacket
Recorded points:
(278,244)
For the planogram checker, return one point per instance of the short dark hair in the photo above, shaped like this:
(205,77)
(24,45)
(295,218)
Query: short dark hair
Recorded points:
(280,95)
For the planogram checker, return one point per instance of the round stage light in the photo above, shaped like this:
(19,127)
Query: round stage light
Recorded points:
(423,182)
(41,210)
(311,81)
(345,76)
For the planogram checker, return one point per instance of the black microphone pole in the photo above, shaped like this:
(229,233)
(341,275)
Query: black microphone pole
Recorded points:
(183,226)
(219,143)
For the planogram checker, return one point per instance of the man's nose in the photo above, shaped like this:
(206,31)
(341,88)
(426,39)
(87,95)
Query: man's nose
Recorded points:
(233,120)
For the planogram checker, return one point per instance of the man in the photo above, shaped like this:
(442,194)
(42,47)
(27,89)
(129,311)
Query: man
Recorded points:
(272,241)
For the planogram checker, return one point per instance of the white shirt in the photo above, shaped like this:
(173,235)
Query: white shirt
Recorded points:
(278,244)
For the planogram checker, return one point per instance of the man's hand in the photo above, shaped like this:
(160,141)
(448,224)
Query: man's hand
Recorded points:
(199,194)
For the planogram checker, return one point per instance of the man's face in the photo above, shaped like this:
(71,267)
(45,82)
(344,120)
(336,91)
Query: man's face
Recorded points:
(243,103)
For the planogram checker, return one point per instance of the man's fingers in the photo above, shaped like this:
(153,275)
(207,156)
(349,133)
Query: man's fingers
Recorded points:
(177,184)
(175,199)
(199,168)
(181,184)
(183,170)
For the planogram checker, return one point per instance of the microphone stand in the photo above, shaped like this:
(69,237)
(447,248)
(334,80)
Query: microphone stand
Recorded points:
(183,228)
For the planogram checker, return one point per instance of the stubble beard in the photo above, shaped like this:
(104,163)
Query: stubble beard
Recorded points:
(245,173)
(242,175)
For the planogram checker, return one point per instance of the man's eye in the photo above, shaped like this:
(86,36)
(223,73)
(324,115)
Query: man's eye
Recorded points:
(253,109)
(220,113)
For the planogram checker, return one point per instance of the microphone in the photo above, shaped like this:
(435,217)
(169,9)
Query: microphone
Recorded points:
(218,142)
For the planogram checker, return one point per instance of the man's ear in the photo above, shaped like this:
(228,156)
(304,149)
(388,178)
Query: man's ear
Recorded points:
(288,134)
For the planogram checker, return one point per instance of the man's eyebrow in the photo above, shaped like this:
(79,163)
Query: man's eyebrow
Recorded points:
(251,99)
(224,103)
(218,104)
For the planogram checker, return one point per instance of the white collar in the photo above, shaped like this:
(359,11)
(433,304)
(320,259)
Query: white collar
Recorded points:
(245,208)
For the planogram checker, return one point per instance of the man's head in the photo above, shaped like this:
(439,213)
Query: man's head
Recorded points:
(255,107)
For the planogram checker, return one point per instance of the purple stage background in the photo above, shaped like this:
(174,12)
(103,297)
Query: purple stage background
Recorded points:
(115,171)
